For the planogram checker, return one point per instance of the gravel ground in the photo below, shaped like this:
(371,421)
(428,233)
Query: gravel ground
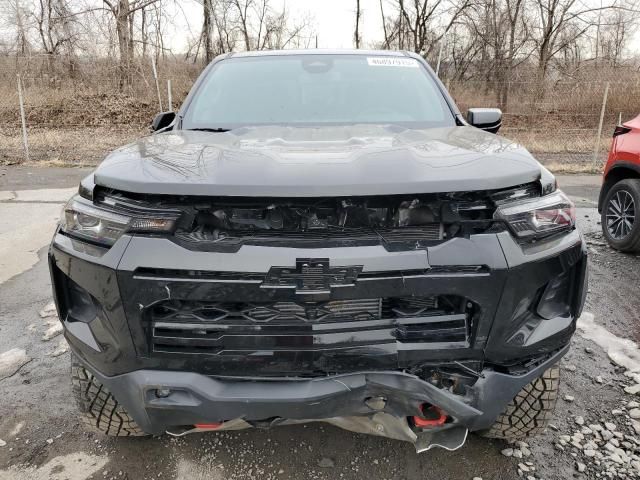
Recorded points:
(41,438)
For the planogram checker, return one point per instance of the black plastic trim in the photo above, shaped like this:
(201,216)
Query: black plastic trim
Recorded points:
(195,398)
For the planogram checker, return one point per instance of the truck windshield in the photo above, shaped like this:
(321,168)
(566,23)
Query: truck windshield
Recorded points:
(316,90)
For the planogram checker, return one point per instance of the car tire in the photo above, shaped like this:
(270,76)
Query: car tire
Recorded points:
(625,190)
(100,410)
(529,413)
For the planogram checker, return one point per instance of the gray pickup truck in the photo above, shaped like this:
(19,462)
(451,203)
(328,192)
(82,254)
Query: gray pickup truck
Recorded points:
(319,236)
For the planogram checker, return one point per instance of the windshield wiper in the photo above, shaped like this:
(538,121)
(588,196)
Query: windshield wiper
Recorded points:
(216,130)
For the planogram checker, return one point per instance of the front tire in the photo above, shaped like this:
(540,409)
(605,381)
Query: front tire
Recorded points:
(621,216)
(99,409)
(529,413)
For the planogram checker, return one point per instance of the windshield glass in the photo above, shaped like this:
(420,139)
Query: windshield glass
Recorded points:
(301,90)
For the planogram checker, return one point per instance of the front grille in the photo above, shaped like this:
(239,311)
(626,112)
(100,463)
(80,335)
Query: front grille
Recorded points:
(284,312)
(191,327)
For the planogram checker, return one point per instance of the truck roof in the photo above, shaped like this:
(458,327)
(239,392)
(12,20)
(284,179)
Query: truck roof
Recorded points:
(322,51)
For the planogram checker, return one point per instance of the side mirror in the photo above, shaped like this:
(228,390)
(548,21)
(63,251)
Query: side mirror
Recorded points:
(487,119)
(162,120)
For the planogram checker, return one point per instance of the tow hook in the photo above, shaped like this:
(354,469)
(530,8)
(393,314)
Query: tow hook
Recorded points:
(432,416)
(208,426)
(180,431)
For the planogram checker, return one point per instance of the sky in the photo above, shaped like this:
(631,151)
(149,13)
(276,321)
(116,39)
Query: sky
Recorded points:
(333,20)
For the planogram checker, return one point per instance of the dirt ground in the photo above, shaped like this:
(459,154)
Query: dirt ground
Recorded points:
(44,439)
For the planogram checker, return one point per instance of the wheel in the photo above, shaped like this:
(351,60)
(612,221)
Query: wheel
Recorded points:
(529,413)
(621,215)
(100,410)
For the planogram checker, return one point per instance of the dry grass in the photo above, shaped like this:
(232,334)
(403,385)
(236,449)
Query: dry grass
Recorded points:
(72,147)
(88,146)
(574,168)
(572,163)
(558,141)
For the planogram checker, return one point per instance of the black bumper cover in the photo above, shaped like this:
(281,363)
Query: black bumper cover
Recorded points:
(196,398)
(514,345)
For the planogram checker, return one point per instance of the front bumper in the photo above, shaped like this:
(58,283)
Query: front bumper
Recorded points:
(191,399)
(315,372)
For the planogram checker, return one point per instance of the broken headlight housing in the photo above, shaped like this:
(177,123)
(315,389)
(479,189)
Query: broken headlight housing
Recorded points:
(85,221)
(539,218)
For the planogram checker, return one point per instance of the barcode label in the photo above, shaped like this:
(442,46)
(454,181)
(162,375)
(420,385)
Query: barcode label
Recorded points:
(392,62)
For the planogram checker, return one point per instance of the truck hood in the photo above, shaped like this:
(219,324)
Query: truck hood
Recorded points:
(321,161)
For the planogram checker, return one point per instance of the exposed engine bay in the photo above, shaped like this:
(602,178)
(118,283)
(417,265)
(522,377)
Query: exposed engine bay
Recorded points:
(399,222)
(326,214)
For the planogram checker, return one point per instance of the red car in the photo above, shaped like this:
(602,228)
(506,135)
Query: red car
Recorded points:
(619,202)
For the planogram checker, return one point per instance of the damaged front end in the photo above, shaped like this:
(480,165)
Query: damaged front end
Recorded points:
(416,317)
(379,424)
(447,436)
(399,222)
(395,405)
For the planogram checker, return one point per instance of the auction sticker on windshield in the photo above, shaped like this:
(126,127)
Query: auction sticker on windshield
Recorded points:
(392,62)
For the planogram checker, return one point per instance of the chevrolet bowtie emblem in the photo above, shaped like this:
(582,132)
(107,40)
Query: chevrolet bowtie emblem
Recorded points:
(312,276)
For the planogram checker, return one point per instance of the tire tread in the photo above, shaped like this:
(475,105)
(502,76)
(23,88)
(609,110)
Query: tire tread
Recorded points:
(99,408)
(529,413)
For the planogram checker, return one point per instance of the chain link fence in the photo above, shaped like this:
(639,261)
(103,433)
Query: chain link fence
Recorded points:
(76,113)
(566,124)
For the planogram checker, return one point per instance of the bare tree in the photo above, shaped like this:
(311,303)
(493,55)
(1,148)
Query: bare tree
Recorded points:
(356,34)
(225,30)
(613,34)
(55,24)
(207,14)
(144,31)
(17,17)
(262,27)
(560,24)
(420,25)
(123,12)
(501,26)
(242,7)
(49,17)
(465,49)
(385,45)
(280,32)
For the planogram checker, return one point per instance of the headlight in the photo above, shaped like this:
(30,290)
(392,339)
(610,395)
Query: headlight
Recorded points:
(85,221)
(539,218)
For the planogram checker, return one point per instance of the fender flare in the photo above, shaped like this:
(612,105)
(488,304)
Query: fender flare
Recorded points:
(606,184)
